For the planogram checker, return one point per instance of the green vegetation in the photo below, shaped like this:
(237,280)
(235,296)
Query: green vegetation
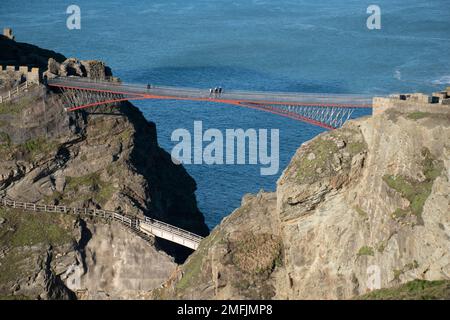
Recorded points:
(29,150)
(126,134)
(16,106)
(22,230)
(381,246)
(192,270)
(84,188)
(319,158)
(33,228)
(365,251)
(256,253)
(407,267)
(323,151)
(5,140)
(416,192)
(356,147)
(360,212)
(39,146)
(413,290)
(400,213)
(193,266)
(418,115)
(398,273)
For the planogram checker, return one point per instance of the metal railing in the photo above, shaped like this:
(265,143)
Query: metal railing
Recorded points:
(359,100)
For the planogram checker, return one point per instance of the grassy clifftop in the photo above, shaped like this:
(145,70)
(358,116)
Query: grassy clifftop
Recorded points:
(413,290)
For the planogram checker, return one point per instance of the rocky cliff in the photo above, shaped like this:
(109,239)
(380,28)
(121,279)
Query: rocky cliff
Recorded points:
(360,207)
(108,158)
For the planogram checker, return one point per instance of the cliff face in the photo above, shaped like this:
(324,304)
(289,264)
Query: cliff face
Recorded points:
(367,201)
(107,157)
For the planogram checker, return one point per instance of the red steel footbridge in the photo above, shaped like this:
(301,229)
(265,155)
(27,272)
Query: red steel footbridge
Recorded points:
(329,111)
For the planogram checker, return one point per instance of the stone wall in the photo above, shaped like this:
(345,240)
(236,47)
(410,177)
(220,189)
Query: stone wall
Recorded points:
(437,102)
(30,74)
(7,32)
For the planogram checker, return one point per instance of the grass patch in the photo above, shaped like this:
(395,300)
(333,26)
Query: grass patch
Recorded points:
(361,212)
(126,134)
(365,251)
(87,187)
(400,213)
(193,266)
(13,266)
(34,228)
(256,253)
(418,115)
(323,151)
(413,290)
(417,192)
(192,270)
(5,140)
(407,267)
(35,147)
(381,246)
(356,147)
(23,229)
(17,106)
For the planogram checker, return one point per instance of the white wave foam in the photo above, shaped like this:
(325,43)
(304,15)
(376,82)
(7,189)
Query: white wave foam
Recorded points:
(442,80)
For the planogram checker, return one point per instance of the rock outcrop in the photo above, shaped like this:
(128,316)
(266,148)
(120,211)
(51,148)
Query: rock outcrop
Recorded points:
(57,256)
(363,206)
(24,54)
(92,69)
(106,157)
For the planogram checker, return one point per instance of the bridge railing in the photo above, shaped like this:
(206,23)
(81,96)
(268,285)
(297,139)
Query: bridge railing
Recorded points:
(186,92)
(131,222)
(15,92)
(172,229)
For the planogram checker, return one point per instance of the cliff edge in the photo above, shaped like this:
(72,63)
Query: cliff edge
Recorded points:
(362,207)
(106,157)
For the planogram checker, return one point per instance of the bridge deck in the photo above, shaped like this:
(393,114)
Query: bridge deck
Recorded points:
(228,96)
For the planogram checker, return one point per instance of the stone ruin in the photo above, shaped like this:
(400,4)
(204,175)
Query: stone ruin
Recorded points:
(7,32)
(22,73)
(92,69)
(413,101)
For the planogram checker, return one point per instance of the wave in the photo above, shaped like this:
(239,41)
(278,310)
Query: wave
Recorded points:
(442,80)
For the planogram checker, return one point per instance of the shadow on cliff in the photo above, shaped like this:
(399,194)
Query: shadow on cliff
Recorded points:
(171,190)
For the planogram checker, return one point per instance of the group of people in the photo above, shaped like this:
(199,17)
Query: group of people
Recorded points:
(215,92)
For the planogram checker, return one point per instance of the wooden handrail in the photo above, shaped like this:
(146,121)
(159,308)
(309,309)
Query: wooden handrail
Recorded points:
(128,221)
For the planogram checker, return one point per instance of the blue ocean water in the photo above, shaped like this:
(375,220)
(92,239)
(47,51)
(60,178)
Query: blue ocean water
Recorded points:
(283,45)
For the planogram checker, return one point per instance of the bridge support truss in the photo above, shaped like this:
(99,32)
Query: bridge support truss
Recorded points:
(77,99)
(327,115)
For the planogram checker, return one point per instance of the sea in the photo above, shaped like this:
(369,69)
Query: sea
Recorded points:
(318,46)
